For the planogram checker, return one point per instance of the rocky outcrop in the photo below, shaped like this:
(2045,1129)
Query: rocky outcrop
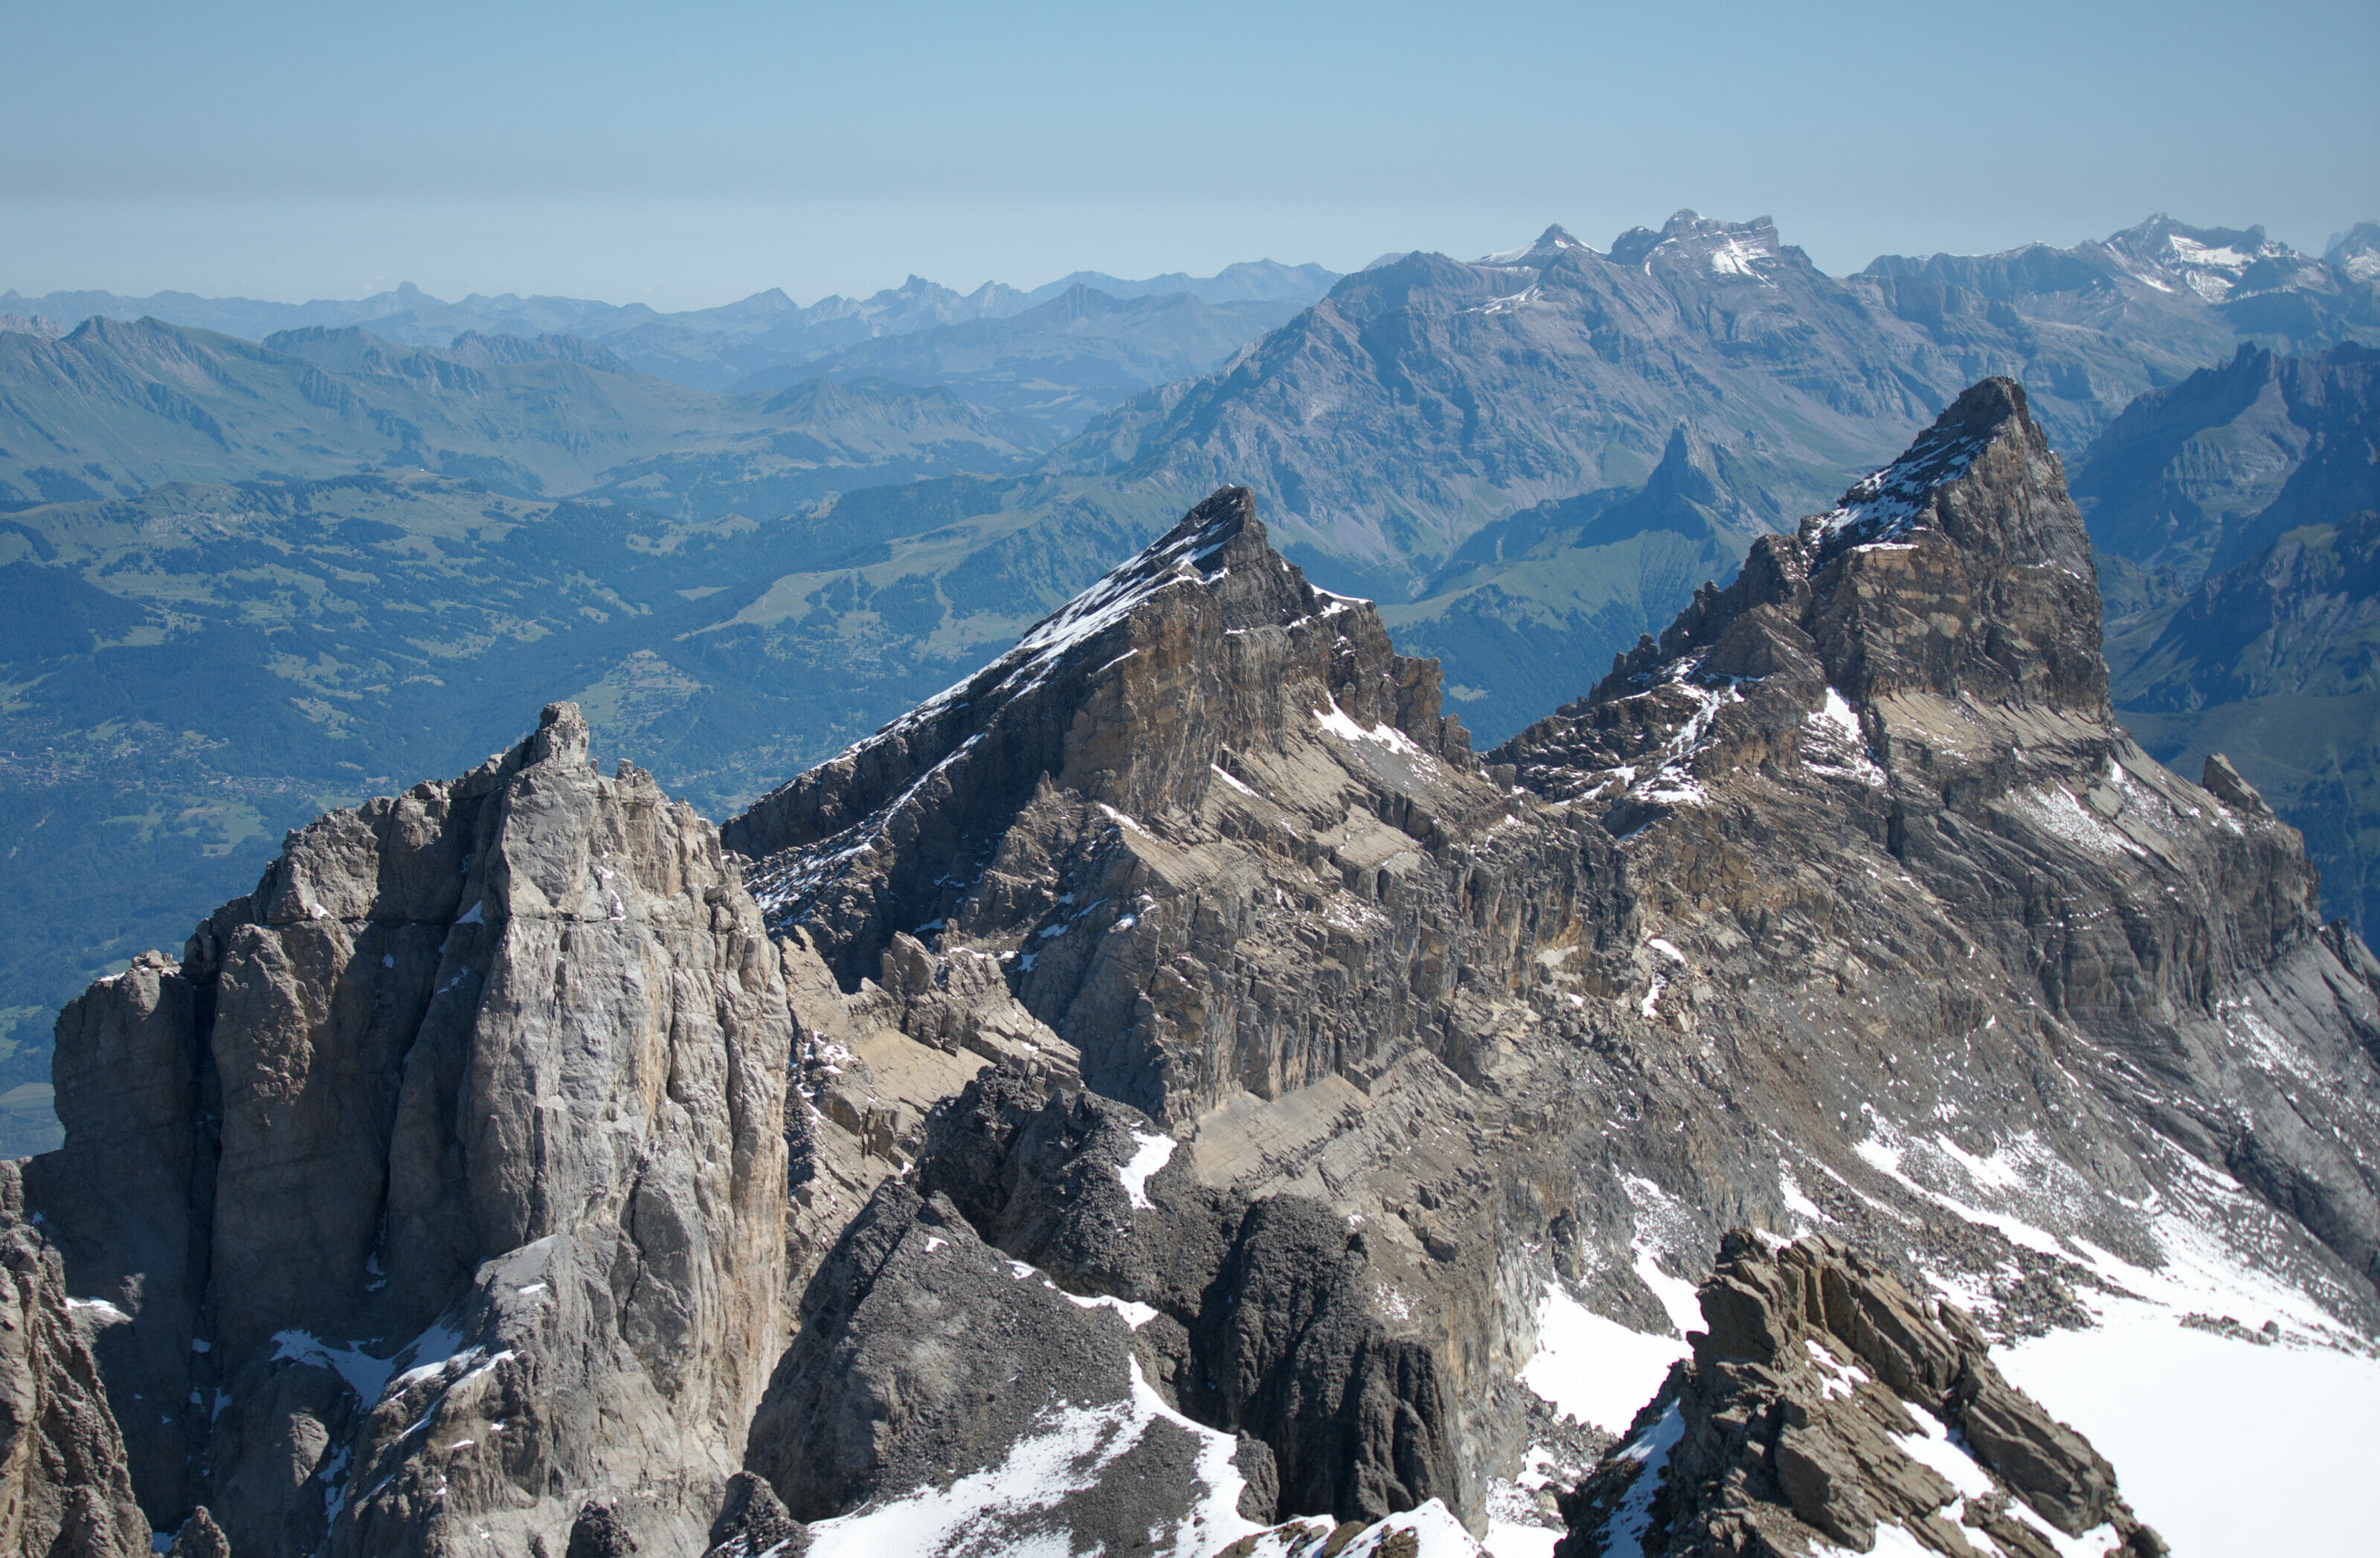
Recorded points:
(1125,700)
(1362,985)
(64,1491)
(444,1178)
(1266,1322)
(200,1537)
(1825,1401)
(1217,837)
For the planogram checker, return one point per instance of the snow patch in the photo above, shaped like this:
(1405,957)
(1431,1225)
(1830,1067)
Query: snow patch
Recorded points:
(1135,1315)
(2143,1388)
(1071,1447)
(1228,778)
(1838,744)
(1152,1149)
(1339,723)
(1592,1370)
(365,1374)
(1888,504)
(99,1309)
(1624,1537)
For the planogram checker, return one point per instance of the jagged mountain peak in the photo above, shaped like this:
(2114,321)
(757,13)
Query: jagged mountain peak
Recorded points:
(2357,251)
(42,325)
(1687,469)
(1917,491)
(1221,1087)
(2210,261)
(1744,249)
(1555,241)
(1208,641)
(1961,569)
(1827,1404)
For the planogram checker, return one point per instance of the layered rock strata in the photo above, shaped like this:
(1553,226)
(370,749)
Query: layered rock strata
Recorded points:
(1886,751)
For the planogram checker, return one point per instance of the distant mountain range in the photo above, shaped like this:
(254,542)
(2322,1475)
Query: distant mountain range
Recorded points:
(705,348)
(1061,362)
(1428,401)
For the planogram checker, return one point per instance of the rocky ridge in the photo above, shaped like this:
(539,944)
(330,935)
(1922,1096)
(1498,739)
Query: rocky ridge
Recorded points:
(1163,1089)
(1825,1402)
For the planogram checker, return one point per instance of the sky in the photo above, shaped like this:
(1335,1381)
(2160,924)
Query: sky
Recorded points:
(689,156)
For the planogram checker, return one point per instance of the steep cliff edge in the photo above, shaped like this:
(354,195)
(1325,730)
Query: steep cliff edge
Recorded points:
(438,1189)
(64,1486)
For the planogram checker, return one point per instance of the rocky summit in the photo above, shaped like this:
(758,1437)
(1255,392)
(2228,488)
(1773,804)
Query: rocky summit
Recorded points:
(1168,1094)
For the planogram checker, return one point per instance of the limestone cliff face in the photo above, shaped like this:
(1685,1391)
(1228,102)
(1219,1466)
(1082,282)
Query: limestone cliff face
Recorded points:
(444,1178)
(65,1490)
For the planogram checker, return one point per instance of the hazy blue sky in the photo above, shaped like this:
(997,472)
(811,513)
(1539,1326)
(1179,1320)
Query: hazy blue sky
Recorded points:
(691,155)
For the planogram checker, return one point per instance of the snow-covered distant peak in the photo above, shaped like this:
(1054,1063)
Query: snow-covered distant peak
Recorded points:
(1551,243)
(2207,261)
(1698,244)
(1733,257)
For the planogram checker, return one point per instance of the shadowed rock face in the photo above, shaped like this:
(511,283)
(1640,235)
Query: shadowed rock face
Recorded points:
(65,1488)
(1820,1406)
(482,1089)
(1180,1056)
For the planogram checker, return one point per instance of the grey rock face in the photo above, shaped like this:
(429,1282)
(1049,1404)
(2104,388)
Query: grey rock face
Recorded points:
(1265,1320)
(928,1361)
(1820,1406)
(1009,810)
(474,1208)
(63,1489)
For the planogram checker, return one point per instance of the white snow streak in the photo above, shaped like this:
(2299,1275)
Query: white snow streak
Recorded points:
(1153,1150)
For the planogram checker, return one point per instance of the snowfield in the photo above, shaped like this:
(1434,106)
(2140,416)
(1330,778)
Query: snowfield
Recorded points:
(2223,1445)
